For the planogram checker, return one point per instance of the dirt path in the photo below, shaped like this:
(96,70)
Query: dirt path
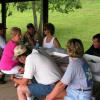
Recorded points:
(8,91)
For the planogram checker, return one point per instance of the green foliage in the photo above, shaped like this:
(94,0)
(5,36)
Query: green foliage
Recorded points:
(22,6)
(64,6)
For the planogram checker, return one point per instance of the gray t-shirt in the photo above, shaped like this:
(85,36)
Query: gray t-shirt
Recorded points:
(74,76)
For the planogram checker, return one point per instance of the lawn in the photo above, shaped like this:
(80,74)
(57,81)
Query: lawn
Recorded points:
(82,23)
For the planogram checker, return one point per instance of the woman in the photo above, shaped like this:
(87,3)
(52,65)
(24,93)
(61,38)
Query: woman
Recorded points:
(50,41)
(77,78)
(8,64)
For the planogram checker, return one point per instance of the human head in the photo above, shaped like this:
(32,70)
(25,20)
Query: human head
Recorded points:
(31,28)
(75,48)
(20,52)
(96,40)
(16,34)
(49,28)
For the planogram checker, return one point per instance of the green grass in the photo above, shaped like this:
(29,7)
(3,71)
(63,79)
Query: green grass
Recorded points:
(82,23)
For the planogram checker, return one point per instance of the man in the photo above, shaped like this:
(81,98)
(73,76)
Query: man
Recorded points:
(95,48)
(37,66)
(2,45)
(94,55)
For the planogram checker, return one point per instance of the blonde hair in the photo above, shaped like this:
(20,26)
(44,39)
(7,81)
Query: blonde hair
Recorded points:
(15,30)
(75,48)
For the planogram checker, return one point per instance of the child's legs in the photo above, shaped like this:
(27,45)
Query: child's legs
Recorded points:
(23,92)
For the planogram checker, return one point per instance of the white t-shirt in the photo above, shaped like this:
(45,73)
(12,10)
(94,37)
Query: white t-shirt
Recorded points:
(42,68)
(74,76)
(48,44)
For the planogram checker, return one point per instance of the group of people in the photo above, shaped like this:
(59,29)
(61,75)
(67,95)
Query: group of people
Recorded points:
(41,76)
(29,39)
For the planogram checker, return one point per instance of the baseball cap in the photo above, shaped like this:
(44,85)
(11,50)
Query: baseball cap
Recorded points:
(19,50)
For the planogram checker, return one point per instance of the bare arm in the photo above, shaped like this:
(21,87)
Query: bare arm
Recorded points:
(56,43)
(56,91)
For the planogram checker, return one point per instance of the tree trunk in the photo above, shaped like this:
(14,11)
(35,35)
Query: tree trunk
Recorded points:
(41,19)
(34,15)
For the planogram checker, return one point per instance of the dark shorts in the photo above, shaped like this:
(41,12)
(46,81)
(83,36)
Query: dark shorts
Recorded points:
(37,89)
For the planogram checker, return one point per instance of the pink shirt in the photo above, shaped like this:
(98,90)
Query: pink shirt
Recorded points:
(7,61)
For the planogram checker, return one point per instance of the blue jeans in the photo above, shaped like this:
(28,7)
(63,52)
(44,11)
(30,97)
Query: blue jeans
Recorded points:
(37,89)
(77,95)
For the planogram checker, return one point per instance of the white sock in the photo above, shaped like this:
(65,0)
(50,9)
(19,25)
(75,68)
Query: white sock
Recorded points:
(29,98)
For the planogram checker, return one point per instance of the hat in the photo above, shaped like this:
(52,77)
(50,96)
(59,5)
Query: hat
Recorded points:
(2,27)
(19,50)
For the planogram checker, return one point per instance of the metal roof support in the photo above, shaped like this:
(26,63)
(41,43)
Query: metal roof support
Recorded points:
(45,11)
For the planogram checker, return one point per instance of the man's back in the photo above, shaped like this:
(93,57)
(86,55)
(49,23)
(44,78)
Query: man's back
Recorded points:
(42,68)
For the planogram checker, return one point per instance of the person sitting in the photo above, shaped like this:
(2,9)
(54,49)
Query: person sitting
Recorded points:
(41,69)
(8,64)
(50,41)
(2,45)
(95,48)
(30,37)
(77,78)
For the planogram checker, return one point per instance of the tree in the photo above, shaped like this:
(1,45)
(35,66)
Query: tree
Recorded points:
(63,6)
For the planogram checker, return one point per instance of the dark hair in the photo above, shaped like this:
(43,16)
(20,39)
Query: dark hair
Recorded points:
(50,27)
(96,36)
(30,25)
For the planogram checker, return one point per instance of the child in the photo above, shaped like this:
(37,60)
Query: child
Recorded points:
(77,78)
(8,64)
